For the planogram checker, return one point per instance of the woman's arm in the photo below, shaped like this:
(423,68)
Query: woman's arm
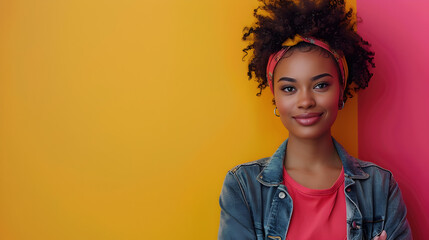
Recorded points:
(396,224)
(235,218)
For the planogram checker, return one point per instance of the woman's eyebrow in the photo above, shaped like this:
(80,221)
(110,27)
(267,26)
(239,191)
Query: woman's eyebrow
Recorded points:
(289,79)
(320,76)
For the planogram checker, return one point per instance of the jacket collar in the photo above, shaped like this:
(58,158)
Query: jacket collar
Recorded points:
(272,174)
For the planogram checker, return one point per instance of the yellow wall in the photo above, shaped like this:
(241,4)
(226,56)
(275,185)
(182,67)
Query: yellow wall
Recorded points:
(119,119)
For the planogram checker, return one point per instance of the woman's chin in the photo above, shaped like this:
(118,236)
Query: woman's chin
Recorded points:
(309,133)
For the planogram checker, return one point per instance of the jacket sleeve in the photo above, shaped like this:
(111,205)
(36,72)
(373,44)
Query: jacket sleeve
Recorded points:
(235,217)
(396,223)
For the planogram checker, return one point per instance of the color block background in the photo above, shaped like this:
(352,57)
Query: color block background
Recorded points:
(119,119)
(394,111)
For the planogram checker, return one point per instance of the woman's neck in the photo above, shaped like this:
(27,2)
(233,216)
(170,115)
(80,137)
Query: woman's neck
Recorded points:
(311,154)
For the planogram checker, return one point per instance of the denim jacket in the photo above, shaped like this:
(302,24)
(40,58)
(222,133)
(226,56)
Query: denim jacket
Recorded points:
(256,205)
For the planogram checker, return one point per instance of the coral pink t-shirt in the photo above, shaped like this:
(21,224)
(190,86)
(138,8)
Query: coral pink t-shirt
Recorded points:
(317,214)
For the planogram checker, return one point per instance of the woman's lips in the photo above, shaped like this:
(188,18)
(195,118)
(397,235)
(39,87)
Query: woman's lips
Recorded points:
(308,119)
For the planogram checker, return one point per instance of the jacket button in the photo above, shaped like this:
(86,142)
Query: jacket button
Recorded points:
(282,195)
(348,189)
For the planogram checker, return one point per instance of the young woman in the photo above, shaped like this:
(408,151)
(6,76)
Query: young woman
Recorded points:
(309,55)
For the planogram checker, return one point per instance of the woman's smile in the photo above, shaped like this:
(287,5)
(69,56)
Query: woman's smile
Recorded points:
(308,119)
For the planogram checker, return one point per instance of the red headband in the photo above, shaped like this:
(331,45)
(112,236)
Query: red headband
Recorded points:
(275,58)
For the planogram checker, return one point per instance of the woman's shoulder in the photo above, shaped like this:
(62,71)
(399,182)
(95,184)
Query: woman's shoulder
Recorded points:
(369,167)
(243,177)
(256,165)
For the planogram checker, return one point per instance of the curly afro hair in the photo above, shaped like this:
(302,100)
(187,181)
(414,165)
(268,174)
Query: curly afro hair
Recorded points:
(327,20)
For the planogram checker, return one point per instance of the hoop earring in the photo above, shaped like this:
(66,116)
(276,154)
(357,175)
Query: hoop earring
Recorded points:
(342,106)
(275,112)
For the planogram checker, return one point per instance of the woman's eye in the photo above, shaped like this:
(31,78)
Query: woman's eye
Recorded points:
(288,89)
(321,85)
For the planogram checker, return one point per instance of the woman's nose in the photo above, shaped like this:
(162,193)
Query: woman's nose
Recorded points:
(306,100)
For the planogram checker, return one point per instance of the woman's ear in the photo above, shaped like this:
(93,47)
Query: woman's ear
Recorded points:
(341,101)
(340,104)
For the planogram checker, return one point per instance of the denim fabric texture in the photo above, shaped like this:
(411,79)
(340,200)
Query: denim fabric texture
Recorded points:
(256,205)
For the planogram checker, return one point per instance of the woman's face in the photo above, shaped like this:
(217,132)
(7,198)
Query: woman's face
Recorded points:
(307,93)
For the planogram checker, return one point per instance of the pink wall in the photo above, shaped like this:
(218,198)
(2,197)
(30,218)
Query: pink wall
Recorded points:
(393,125)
